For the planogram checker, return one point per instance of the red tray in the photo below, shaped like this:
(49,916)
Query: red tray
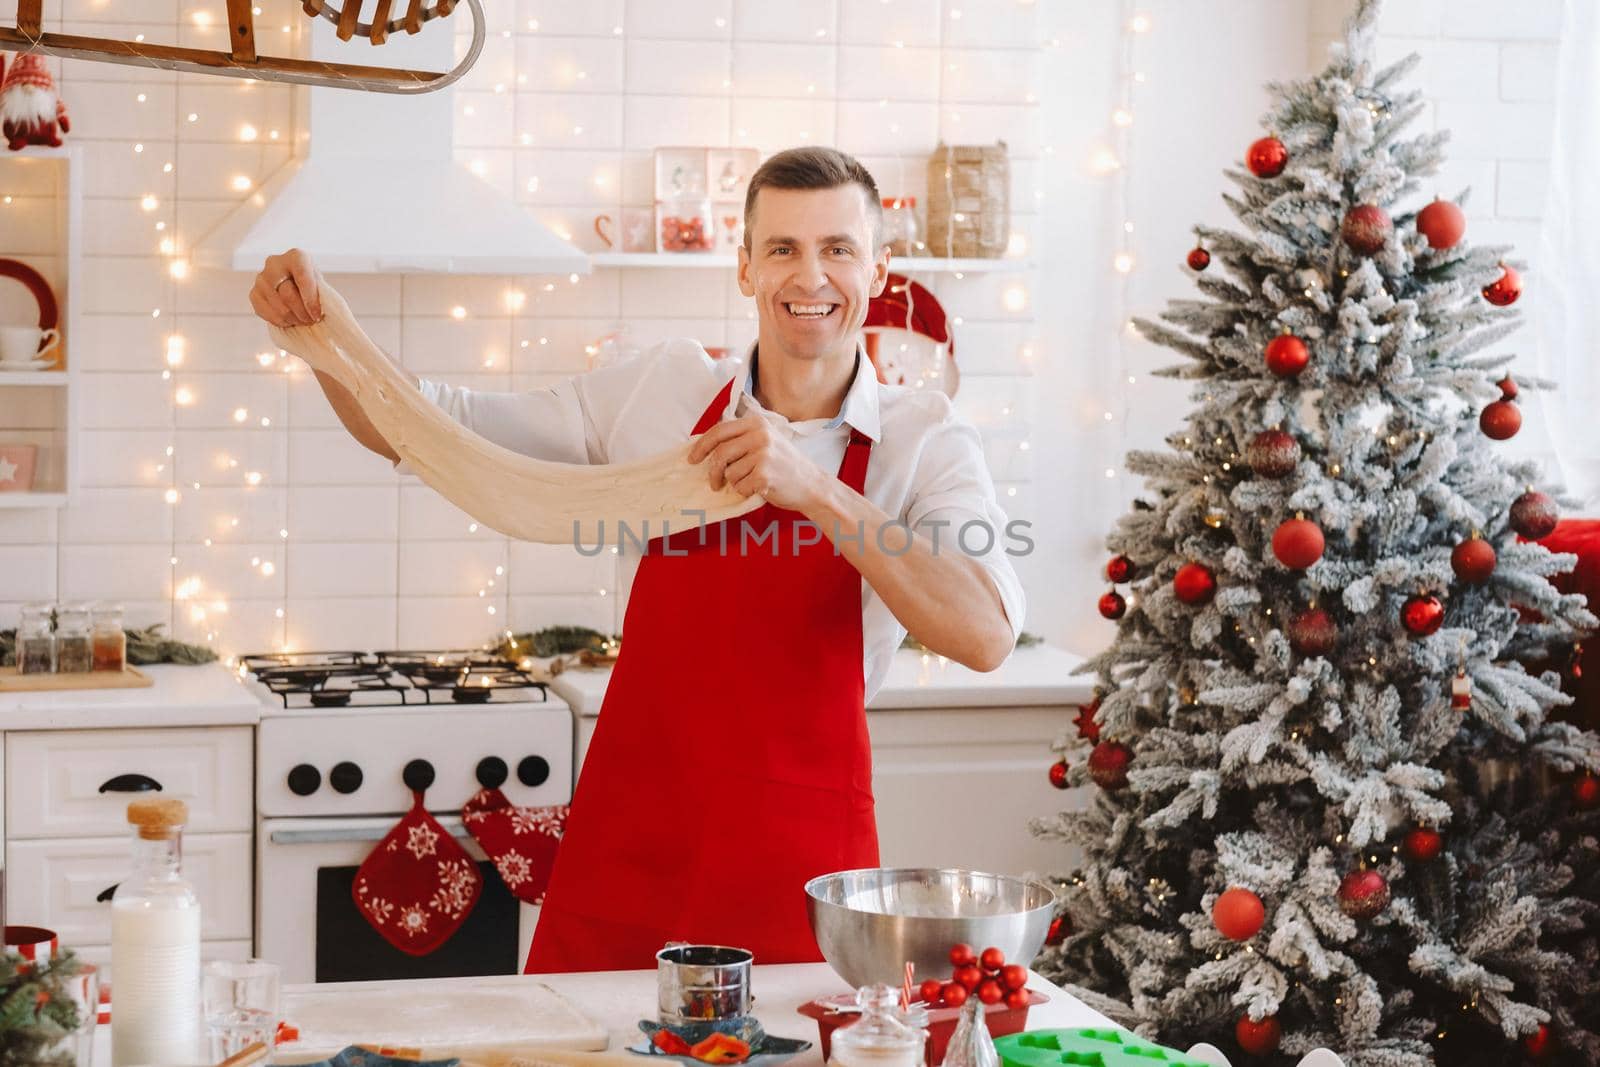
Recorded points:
(941,1021)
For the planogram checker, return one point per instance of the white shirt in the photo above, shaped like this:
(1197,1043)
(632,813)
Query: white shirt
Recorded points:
(926,466)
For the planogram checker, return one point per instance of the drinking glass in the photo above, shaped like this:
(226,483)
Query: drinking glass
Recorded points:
(241,1005)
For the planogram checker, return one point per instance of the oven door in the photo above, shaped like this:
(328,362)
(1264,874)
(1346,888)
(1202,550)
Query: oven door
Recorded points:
(308,923)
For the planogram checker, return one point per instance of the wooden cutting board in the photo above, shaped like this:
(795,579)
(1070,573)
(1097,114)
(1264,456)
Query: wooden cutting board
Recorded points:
(127,678)
(442,1020)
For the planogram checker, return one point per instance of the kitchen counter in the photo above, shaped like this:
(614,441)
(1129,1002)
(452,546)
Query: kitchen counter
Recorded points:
(206,694)
(1031,677)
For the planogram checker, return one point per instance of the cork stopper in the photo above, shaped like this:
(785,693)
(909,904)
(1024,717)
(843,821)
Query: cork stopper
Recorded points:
(157,817)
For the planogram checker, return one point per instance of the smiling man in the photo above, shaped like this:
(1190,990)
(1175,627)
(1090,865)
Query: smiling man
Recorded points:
(730,762)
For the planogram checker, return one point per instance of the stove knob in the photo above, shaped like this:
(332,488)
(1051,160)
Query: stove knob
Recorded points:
(345,777)
(418,775)
(304,780)
(492,772)
(533,771)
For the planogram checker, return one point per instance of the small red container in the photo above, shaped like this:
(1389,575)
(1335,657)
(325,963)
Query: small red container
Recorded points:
(941,1021)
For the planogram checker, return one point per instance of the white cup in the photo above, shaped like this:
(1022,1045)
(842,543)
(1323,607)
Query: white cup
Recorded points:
(20,344)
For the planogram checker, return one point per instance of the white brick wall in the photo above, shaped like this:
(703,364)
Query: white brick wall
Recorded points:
(371,559)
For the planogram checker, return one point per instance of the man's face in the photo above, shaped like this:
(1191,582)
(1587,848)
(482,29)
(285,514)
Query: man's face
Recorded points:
(812,266)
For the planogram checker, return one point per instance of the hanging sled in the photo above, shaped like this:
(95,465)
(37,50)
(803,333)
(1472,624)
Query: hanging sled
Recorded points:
(243,62)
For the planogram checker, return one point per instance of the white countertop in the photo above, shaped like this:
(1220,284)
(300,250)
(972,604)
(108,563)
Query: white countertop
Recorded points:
(206,694)
(1031,677)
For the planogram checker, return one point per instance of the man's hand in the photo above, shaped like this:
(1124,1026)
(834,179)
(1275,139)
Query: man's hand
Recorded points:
(750,456)
(285,292)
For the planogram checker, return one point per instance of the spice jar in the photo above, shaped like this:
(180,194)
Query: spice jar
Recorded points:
(36,645)
(110,644)
(901,231)
(73,652)
(881,1037)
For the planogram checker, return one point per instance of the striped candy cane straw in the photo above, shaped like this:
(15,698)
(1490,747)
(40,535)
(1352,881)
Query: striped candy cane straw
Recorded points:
(905,990)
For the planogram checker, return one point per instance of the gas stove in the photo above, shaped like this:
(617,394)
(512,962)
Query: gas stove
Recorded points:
(387,679)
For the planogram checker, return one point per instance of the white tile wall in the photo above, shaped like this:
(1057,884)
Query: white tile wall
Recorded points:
(329,547)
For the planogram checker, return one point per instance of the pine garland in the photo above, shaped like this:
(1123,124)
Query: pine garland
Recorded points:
(37,1011)
(145,646)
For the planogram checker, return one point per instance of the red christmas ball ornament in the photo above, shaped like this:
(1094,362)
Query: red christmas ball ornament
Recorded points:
(992,960)
(1119,568)
(1013,976)
(989,991)
(1112,605)
(1586,793)
(1422,845)
(1313,632)
(962,955)
(1238,914)
(954,994)
(968,975)
(1198,258)
(1017,999)
(930,990)
(1298,543)
(1422,614)
(1366,228)
(1508,387)
(1442,223)
(1272,454)
(1058,774)
(1194,583)
(1363,894)
(1060,930)
(1534,515)
(1266,157)
(1538,1045)
(1258,1038)
(1088,728)
(1504,290)
(1473,560)
(1108,764)
(1500,420)
(1287,355)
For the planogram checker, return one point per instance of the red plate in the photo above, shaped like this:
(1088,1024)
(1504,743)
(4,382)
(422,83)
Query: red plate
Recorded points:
(941,1021)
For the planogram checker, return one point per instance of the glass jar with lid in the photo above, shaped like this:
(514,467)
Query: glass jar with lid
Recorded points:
(110,644)
(882,1037)
(36,644)
(73,652)
(901,231)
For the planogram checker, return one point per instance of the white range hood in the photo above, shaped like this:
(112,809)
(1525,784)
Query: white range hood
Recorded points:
(375,187)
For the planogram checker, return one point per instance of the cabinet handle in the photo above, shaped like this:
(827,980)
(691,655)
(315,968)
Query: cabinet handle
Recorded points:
(130,783)
(106,893)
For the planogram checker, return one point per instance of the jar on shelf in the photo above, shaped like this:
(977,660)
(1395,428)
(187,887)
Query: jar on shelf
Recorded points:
(74,653)
(901,230)
(108,641)
(36,645)
(684,226)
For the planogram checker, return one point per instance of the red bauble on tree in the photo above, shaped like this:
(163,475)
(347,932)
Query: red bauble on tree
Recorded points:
(1266,157)
(1534,515)
(1500,420)
(1586,793)
(1365,229)
(1422,614)
(1363,894)
(1088,729)
(1298,543)
(1258,1038)
(1442,223)
(1504,290)
(1272,454)
(1058,774)
(1287,355)
(1198,258)
(1119,568)
(1238,914)
(1539,1044)
(1108,764)
(1060,930)
(1112,605)
(1194,583)
(1473,560)
(1508,387)
(1313,632)
(1422,845)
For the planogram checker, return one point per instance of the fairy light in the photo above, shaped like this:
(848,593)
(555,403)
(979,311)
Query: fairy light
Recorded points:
(241,184)
(248,133)
(149,202)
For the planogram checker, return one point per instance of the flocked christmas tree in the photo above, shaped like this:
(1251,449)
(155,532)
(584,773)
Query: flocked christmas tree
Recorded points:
(1330,806)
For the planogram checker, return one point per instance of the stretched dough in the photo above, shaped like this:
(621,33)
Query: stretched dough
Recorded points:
(521,497)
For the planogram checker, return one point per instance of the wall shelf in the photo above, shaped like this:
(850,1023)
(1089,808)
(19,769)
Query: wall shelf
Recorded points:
(33,377)
(725,261)
(32,500)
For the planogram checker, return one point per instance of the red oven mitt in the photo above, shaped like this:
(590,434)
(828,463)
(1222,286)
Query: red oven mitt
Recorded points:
(522,842)
(418,885)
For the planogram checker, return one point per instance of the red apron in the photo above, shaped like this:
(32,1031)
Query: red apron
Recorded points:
(730,762)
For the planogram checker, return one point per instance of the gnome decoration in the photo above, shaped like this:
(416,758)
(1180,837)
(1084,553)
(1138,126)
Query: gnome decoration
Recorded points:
(30,111)
(908,305)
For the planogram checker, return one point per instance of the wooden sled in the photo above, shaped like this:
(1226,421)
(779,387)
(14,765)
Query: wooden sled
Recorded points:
(243,62)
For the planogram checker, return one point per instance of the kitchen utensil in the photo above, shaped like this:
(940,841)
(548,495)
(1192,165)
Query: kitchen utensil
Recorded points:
(26,344)
(1111,1048)
(702,982)
(869,922)
(241,1005)
(838,1011)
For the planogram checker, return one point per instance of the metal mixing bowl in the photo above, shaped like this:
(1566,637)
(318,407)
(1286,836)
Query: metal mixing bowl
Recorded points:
(868,923)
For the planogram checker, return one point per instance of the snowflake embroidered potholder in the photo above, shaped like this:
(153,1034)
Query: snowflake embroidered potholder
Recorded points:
(418,885)
(522,842)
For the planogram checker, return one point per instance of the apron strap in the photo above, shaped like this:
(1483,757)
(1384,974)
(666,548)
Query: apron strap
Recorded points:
(713,411)
(853,467)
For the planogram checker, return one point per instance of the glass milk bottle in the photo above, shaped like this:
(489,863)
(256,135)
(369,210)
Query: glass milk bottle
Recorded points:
(155,944)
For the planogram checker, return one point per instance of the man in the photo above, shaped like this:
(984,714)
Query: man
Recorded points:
(731,761)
